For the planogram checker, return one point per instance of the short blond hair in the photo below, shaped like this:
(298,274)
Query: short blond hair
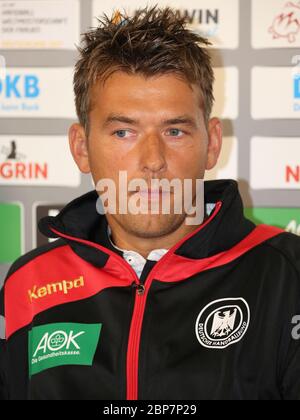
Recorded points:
(151,42)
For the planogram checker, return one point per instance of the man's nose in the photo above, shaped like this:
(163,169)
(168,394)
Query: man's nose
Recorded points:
(152,154)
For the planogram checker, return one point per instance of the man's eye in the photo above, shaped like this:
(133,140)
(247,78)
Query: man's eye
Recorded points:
(175,132)
(121,133)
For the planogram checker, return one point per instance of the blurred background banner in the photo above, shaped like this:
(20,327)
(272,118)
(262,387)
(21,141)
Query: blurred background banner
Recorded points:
(256,57)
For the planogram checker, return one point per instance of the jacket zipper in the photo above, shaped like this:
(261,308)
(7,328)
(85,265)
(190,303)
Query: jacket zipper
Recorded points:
(133,342)
(139,311)
(141,295)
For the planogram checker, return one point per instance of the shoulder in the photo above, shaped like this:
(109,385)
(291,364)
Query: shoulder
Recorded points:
(281,259)
(37,253)
(287,245)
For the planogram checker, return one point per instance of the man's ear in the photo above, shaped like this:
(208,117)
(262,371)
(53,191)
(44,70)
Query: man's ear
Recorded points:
(215,138)
(79,147)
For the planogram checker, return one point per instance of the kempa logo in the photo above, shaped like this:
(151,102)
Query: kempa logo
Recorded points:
(49,289)
(62,344)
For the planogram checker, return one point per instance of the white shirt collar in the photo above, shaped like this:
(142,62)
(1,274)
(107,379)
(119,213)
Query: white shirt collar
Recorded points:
(154,255)
(136,260)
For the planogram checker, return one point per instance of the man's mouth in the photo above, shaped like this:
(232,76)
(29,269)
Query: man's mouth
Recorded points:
(151,194)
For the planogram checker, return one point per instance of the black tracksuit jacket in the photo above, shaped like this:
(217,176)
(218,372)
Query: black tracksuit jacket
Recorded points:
(213,319)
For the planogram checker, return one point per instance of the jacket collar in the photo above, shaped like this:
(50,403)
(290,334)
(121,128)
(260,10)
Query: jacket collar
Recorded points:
(226,226)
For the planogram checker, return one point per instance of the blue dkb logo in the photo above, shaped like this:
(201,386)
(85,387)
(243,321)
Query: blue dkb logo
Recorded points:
(297,86)
(19,86)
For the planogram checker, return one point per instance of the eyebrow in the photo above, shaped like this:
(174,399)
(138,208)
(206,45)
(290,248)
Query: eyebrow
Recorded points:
(182,119)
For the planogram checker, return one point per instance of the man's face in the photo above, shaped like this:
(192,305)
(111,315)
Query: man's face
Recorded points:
(153,129)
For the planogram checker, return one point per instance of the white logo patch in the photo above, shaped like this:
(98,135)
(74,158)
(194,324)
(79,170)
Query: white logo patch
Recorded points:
(223,323)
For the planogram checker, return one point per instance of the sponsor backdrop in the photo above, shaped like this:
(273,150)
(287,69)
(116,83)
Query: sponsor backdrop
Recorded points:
(256,56)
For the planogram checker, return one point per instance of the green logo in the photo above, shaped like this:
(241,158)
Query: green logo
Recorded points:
(11,230)
(284,218)
(62,344)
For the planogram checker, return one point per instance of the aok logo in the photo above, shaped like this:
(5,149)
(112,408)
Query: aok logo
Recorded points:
(20,86)
(58,340)
(62,344)
(64,287)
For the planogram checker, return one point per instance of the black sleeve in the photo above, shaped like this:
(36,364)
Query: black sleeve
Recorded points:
(3,390)
(290,378)
(3,362)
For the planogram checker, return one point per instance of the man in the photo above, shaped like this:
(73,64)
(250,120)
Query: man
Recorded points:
(143,305)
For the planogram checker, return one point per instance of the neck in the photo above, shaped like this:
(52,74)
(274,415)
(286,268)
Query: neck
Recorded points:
(125,240)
